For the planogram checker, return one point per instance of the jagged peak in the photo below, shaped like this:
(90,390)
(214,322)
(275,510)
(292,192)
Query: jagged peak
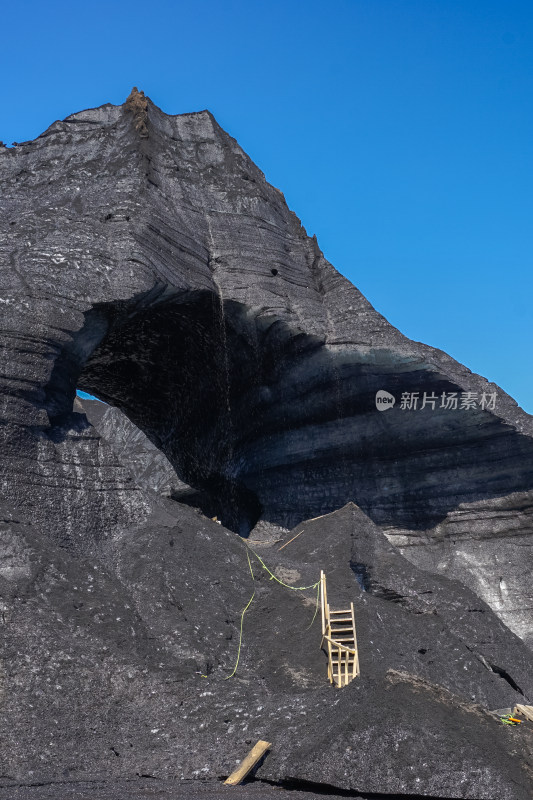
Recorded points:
(137,104)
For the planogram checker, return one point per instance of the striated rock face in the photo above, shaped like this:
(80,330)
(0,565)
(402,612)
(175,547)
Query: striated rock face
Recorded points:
(146,260)
(487,545)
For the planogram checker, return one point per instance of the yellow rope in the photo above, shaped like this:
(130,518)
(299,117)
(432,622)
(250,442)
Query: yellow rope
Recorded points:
(295,588)
(272,577)
(247,606)
(316,606)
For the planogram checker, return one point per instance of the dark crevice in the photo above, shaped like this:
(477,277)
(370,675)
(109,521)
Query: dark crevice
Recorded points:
(326,789)
(505,675)
(389,594)
(502,673)
(368,584)
(361,575)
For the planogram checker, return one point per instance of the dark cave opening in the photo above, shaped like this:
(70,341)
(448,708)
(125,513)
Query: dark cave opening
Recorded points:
(166,363)
(264,421)
(195,376)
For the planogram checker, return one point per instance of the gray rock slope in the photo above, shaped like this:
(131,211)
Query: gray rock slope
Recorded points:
(146,260)
(151,470)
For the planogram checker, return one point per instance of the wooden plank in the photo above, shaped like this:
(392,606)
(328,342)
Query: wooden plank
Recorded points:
(257,752)
(323,600)
(346,669)
(338,645)
(330,653)
(291,540)
(321,516)
(524,711)
(356,669)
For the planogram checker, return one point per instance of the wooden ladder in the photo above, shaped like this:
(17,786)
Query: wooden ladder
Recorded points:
(338,631)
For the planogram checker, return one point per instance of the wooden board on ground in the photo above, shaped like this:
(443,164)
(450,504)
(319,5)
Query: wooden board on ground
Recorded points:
(257,752)
(524,711)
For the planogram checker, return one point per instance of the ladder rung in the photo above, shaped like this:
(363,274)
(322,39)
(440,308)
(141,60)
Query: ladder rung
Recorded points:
(342,611)
(342,630)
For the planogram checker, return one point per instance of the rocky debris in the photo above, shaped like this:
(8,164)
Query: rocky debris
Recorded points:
(148,262)
(137,104)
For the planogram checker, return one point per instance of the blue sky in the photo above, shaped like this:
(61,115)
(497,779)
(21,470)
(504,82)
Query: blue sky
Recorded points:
(401,133)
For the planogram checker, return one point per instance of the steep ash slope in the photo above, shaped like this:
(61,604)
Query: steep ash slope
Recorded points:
(120,665)
(408,619)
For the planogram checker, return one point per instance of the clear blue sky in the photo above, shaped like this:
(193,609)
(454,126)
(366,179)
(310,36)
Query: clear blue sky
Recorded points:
(400,131)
